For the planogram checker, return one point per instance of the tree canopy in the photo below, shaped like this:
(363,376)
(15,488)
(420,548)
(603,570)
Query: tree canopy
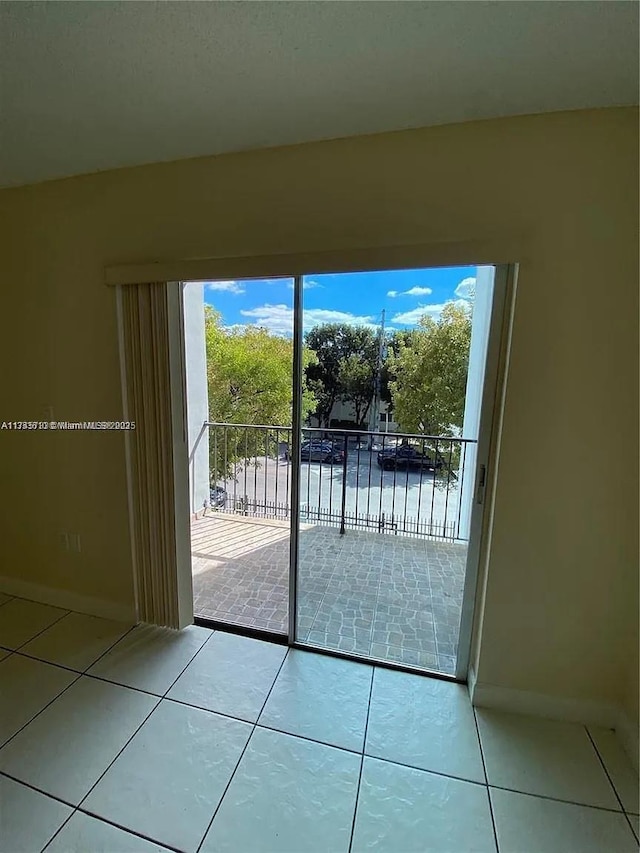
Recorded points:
(249,374)
(344,367)
(249,382)
(428,373)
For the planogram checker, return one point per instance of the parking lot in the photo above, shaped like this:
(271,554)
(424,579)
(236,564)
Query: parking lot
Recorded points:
(419,496)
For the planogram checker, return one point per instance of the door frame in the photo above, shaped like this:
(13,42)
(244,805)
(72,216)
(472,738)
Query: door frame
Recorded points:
(294,457)
(494,380)
(490,418)
(179,431)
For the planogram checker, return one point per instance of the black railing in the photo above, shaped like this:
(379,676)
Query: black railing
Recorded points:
(396,483)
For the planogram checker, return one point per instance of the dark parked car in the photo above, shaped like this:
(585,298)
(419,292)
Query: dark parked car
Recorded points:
(217,496)
(321,450)
(406,457)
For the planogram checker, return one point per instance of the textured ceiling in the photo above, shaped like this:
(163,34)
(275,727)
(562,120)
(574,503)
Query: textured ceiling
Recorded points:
(88,86)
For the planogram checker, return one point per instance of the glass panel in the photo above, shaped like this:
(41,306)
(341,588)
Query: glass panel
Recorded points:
(239,355)
(383,530)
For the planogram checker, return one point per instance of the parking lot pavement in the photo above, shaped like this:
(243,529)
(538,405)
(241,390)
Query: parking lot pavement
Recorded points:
(369,490)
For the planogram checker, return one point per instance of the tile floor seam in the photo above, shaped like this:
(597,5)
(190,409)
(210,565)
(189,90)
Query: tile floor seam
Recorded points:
(191,660)
(425,770)
(246,746)
(208,710)
(106,680)
(633,830)
(49,796)
(44,708)
(306,738)
(364,745)
(160,699)
(260,725)
(70,668)
(604,767)
(38,790)
(129,831)
(555,799)
(120,751)
(60,828)
(55,622)
(112,646)
(486,778)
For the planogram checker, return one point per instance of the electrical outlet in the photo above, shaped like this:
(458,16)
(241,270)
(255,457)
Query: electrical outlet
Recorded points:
(75,543)
(63,540)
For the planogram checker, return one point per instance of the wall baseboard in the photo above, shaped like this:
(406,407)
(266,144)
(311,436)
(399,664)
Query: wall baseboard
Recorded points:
(585,711)
(68,600)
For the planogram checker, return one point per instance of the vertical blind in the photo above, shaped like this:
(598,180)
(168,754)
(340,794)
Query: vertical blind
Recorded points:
(145,333)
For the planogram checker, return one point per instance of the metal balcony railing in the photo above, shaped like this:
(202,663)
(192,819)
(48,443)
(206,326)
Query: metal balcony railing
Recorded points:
(396,483)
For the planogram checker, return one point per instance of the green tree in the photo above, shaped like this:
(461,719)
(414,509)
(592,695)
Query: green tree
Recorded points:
(345,361)
(430,373)
(249,373)
(393,342)
(356,381)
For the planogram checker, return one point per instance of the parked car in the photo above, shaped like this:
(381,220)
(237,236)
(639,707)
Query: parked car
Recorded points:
(321,450)
(217,496)
(406,457)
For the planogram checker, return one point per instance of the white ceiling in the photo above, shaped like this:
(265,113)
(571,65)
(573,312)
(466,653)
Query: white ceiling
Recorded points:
(98,85)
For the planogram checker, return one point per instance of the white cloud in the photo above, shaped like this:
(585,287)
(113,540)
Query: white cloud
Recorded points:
(227,286)
(279,318)
(412,318)
(418,291)
(413,291)
(466,289)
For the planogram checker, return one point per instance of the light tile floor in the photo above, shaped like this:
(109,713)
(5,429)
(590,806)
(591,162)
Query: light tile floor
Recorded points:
(378,595)
(206,741)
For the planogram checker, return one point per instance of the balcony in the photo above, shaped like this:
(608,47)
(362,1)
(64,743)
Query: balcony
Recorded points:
(382,553)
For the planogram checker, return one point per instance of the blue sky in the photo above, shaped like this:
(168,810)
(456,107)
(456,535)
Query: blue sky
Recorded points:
(357,298)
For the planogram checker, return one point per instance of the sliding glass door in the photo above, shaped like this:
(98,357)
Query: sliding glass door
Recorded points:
(338,442)
(393,366)
(239,378)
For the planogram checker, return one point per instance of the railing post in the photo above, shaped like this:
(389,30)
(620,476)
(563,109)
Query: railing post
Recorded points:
(344,486)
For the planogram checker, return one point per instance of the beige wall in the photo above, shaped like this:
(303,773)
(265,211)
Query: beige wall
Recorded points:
(562,591)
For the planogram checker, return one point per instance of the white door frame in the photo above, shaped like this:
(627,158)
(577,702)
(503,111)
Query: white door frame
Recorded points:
(486,456)
(179,431)
(494,379)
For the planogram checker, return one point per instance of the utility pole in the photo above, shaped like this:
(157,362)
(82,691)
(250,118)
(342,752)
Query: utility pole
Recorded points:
(374,409)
